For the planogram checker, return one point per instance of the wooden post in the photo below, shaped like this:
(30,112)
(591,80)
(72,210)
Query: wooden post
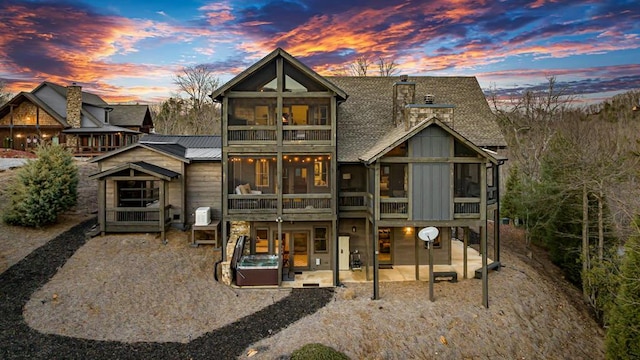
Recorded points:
(485,277)
(465,237)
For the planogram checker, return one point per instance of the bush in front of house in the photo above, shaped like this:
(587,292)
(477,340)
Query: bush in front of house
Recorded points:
(44,188)
(317,352)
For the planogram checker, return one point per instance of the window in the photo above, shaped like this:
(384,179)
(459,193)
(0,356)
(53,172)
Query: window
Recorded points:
(132,193)
(262,172)
(320,239)
(320,173)
(262,241)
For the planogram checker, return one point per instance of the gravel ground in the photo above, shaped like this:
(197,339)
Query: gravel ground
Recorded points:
(11,163)
(19,341)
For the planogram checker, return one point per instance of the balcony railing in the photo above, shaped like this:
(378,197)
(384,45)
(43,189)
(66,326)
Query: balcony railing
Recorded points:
(292,203)
(260,133)
(353,201)
(252,203)
(394,208)
(136,219)
(466,208)
(307,133)
(291,134)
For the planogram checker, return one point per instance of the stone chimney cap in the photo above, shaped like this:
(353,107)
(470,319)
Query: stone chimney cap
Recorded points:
(404,78)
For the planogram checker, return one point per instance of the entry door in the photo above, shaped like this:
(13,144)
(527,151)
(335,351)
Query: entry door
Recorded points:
(385,246)
(296,249)
(300,245)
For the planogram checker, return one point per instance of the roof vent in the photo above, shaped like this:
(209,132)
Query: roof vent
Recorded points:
(429,98)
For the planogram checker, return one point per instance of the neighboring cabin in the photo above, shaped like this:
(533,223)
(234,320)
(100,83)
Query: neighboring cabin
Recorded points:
(79,120)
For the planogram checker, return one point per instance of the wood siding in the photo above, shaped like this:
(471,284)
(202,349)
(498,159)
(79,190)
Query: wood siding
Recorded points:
(175,196)
(204,183)
(431,182)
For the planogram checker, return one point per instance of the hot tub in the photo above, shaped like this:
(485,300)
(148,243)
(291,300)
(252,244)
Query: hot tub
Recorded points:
(258,269)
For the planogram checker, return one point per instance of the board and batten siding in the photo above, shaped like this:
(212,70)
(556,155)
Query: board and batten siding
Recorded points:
(431,182)
(204,186)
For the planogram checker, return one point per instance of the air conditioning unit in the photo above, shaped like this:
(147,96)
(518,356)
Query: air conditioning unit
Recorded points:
(203,216)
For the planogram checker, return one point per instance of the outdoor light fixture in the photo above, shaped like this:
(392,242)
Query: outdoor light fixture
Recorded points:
(354,229)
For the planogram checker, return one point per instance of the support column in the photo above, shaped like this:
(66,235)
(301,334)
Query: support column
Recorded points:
(485,277)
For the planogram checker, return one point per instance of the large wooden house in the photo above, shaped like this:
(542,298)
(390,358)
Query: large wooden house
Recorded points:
(319,167)
(79,120)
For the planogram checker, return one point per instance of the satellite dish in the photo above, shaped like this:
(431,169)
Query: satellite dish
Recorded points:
(428,234)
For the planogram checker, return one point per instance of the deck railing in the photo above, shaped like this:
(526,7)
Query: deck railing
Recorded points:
(466,208)
(292,203)
(353,201)
(136,218)
(394,208)
(252,203)
(292,134)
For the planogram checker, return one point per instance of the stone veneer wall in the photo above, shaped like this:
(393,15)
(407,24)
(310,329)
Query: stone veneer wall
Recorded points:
(417,113)
(238,228)
(404,93)
(74,105)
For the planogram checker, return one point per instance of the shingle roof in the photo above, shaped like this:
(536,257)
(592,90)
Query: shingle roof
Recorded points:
(128,115)
(367,114)
(87,98)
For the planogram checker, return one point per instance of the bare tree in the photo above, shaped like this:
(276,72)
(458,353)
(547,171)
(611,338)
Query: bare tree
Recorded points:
(526,121)
(387,67)
(360,66)
(4,95)
(194,114)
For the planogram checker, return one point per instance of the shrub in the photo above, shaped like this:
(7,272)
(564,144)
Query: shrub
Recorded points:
(623,335)
(44,188)
(317,352)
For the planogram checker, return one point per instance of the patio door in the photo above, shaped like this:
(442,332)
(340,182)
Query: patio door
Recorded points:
(385,246)
(296,250)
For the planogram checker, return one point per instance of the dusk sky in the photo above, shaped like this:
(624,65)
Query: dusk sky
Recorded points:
(130,50)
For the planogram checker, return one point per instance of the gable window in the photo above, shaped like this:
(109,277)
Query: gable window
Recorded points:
(262,172)
(320,239)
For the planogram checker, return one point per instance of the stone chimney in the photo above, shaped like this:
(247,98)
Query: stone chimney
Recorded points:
(404,92)
(416,113)
(74,105)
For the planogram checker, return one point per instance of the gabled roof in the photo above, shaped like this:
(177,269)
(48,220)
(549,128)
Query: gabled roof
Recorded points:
(367,115)
(141,166)
(87,98)
(22,96)
(128,115)
(400,135)
(185,148)
(218,93)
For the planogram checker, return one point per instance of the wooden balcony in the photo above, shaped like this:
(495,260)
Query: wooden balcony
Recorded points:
(466,208)
(394,208)
(354,201)
(249,203)
(291,203)
(297,203)
(291,134)
(137,219)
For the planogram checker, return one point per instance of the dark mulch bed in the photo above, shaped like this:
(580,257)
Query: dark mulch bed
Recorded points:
(19,341)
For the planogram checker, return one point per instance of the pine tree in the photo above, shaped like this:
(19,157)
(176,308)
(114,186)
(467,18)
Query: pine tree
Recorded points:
(45,187)
(623,335)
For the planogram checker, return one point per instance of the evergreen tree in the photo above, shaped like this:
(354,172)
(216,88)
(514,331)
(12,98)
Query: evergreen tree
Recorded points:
(623,335)
(45,187)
